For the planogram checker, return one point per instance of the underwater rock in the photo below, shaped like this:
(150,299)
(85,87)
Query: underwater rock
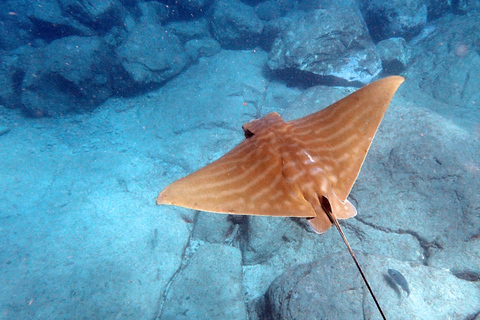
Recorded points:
(446,64)
(193,8)
(318,290)
(437,8)
(265,237)
(464,256)
(212,227)
(273,9)
(50,21)
(153,12)
(151,55)
(70,74)
(98,15)
(341,49)
(188,30)
(466,6)
(12,71)
(396,18)
(206,47)
(332,288)
(394,54)
(235,25)
(274,28)
(210,286)
(15,26)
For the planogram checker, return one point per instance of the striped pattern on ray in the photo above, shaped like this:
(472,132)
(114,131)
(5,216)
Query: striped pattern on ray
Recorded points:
(284,168)
(246,180)
(342,133)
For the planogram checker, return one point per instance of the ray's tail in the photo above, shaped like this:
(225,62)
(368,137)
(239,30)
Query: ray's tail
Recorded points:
(328,210)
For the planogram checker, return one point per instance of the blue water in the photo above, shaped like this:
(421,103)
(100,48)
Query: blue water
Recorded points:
(103,105)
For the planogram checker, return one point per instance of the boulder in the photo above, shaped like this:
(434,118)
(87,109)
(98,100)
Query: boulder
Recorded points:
(69,74)
(50,21)
(98,15)
(265,236)
(151,55)
(153,12)
(193,8)
(188,30)
(274,28)
(331,288)
(394,54)
(12,72)
(235,25)
(446,64)
(213,227)
(206,47)
(273,9)
(437,8)
(15,26)
(332,44)
(465,6)
(396,18)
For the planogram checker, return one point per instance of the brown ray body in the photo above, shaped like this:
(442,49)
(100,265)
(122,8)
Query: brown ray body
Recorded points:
(290,168)
(284,167)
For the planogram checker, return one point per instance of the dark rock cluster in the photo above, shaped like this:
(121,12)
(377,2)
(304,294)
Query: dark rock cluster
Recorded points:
(60,56)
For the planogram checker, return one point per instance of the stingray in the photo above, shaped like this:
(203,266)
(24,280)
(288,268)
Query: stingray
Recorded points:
(303,168)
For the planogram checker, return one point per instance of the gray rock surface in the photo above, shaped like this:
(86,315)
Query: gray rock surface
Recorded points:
(332,288)
(151,55)
(70,74)
(273,28)
(461,259)
(188,30)
(466,6)
(235,25)
(447,64)
(341,49)
(437,8)
(423,139)
(99,15)
(12,71)
(193,8)
(395,55)
(153,12)
(50,21)
(273,9)
(15,28)
(209,286)
(265,236)
(206,47)
(308,292)
(396,18)
(213,228)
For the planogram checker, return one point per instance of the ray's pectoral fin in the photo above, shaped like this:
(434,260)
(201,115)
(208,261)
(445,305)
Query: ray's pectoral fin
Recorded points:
(330,201)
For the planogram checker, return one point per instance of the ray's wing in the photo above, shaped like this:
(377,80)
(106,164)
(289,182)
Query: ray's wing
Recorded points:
(246,180)
(340,135)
